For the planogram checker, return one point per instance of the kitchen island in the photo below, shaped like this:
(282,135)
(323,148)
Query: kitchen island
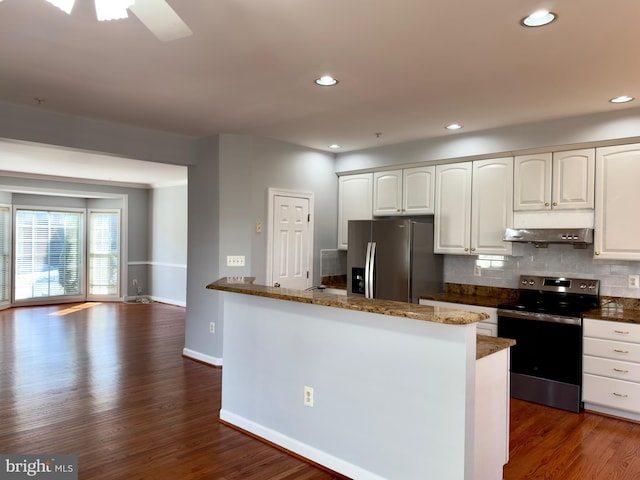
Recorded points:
(371,389)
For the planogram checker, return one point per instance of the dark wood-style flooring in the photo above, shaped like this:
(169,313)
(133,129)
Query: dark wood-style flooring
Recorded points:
(107,382)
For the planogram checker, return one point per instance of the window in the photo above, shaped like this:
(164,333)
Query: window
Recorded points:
(49,248)
(5,254)
(104,252)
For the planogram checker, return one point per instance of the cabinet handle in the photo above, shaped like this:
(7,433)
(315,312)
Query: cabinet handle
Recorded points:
(622,395)
(546,204)
(597,253)
(620,351)
(621,332)
(473,249)
(555,204)
(398,210)
(466,249)
(620,370)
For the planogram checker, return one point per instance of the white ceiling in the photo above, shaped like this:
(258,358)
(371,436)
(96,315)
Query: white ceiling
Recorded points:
(406,68)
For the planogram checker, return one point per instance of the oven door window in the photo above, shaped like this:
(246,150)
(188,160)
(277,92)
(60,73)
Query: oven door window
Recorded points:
(544,349)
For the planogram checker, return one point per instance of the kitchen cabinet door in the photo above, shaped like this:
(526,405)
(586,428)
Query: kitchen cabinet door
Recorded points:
(355,196)
(418,193)
(452,221)
(387,193)
(532,184)
(408,191)
(554,181)
(573,179)
(616,232)
(491,206)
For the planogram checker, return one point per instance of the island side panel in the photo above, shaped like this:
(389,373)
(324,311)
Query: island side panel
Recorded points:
(393,397)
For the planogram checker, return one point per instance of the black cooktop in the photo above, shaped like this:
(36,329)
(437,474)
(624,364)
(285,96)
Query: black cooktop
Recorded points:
(555,295)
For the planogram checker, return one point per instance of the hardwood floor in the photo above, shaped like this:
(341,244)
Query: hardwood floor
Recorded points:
(107,382)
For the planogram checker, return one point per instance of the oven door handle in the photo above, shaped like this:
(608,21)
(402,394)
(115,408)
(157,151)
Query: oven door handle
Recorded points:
(539,317)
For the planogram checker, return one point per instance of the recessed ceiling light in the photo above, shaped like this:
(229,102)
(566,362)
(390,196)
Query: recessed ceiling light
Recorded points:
(453,126)
(334,146)
(539,18)
(621,99)
(326,81)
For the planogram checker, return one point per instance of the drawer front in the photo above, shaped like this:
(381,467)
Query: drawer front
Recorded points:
(611,368)
(611,393)
(626,332)
(627,352)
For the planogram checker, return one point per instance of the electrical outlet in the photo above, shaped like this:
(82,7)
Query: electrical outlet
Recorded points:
(135,282)
(634,281)
(235,260)
(212,327)
(259,227)
(308,396)
(477,271)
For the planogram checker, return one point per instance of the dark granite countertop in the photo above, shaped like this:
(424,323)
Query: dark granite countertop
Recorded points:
(486,345)
(384,307)
(473,295)
(615,309)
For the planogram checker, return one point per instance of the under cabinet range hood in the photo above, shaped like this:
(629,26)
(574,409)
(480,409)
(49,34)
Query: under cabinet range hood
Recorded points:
(541,237)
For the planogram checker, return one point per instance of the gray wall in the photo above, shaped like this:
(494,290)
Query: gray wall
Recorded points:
(249,166)
(168,244)
(203,245)
(227,196)
(558,134)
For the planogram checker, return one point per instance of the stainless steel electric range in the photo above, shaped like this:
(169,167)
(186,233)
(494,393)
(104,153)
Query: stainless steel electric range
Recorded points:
(546,322)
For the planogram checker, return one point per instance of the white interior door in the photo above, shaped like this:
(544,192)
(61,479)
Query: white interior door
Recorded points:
(291,242)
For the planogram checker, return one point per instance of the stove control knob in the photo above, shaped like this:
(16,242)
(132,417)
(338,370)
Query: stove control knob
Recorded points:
(583,286)
(524,281)
(532,282)
(592,286)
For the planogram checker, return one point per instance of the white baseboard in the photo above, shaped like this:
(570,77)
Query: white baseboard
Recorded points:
(307,451)
(170,301)
(201,357)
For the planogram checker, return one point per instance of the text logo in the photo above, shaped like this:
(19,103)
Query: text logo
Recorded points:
(45,467)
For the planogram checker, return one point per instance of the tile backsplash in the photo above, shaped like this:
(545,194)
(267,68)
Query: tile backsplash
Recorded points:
(556,260)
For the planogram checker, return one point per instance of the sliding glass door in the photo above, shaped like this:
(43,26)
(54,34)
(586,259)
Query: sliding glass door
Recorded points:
(49,251)
(5,256)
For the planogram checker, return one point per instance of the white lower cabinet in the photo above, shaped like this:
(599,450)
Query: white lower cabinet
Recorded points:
(611,368)
(487,327)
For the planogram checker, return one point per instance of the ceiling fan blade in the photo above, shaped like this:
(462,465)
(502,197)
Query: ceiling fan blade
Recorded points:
(161,19)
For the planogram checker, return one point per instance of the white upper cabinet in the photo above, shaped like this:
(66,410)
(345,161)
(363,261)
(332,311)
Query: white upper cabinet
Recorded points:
(387,193)
(617,232)
(573,185)
(408,191)
(558,181)
(474,207)
(491,206)
(452,221)
(532,182)
(355,195)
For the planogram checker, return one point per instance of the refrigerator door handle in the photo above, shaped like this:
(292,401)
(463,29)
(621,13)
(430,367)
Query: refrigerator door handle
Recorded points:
(367,261)
(372,261)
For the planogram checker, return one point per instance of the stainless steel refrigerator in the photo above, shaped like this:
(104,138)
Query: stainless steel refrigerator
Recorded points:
(393,259)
